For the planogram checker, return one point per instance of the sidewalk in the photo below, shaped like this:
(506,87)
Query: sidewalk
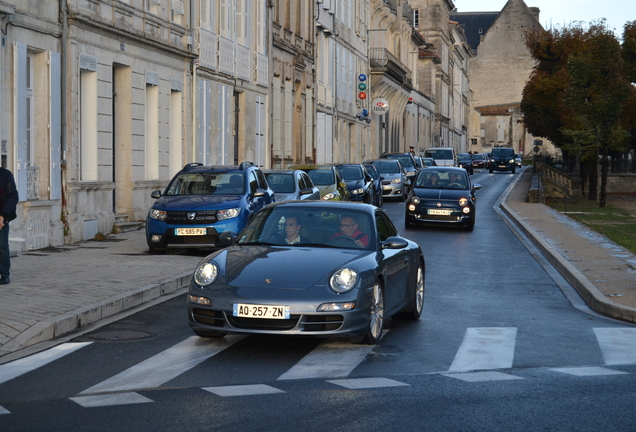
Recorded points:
(55,291)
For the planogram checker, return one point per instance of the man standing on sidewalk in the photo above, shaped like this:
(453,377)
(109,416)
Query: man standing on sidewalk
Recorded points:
(8,203)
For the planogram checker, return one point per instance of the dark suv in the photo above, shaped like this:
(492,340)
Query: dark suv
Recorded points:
(502,159)
(201,202)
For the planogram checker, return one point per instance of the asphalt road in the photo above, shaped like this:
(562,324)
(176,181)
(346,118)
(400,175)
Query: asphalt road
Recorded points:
(499,347)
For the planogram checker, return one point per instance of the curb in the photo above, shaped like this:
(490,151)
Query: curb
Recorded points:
(592,295)
(70,321)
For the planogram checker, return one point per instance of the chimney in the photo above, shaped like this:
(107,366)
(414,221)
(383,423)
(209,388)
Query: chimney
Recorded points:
(535,11)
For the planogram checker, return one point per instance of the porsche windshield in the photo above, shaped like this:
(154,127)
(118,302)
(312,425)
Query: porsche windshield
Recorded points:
(207,183)
(302,227)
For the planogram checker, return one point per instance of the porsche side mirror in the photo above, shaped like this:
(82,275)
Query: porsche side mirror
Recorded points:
(394,243)
(228,237)
(155,194)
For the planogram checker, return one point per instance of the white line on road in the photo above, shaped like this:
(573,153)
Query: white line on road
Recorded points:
(485,348)
(166,365)
(330,359)
(19,367)
(110,400)
(617,344)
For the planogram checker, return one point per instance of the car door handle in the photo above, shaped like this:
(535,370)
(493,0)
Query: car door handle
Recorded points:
(406,259)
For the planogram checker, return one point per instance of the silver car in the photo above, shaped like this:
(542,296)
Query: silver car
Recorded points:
(394,183)
(289,185)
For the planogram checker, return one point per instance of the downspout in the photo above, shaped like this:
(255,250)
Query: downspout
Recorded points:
(64,114)
(194,82)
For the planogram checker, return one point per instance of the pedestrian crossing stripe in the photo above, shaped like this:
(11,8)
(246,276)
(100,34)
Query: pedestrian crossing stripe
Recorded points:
(366,383)
(243,390)
(110,400)
(164,366)
(482,376)
(485,348)
(3,410)
(19,367)
(618,345)
(588,371)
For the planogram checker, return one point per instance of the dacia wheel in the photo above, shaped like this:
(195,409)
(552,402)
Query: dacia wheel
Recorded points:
(414,310)
(376,315)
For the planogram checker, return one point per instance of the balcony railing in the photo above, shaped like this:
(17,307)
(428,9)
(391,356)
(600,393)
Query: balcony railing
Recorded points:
(208,49)
(227,53)
(382,60)
(33,179)
(243,63)
(260,72)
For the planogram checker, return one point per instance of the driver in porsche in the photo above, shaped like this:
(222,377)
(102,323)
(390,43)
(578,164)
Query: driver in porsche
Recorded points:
(349,228)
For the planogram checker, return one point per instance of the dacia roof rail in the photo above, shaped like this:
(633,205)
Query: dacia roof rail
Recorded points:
(189,166)
(245,164)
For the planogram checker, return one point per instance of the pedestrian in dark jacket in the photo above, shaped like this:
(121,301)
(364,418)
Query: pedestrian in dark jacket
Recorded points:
(8,202)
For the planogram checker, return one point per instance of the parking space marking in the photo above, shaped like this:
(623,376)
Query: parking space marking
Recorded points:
(485,348)
(617,344)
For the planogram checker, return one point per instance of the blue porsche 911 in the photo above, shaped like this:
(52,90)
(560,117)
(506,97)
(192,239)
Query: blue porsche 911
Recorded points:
(327,269)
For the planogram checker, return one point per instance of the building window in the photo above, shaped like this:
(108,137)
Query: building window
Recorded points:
(153,6)
(29,109)
(176,11)
(152,132)
(88,125)
(416,18)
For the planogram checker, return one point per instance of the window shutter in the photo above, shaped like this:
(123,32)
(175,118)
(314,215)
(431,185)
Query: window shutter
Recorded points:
(56,127)
(20,170)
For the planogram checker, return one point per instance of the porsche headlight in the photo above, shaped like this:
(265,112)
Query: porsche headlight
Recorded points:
(160,215)
(228,214)
(344,280)
(329,196)
(206,273)
(463,201)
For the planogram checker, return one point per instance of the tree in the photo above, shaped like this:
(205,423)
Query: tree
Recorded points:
(577,96)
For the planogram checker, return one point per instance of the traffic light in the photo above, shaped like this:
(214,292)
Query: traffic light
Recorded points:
(362,86)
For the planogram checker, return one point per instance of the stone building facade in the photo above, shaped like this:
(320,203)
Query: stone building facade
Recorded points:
(498,75)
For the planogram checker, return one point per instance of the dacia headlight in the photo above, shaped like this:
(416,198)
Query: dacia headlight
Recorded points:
(396,180)
(357,191)
(343,280)
(159,215)
(463,201)
(329,196)
(228,214)
(206,273)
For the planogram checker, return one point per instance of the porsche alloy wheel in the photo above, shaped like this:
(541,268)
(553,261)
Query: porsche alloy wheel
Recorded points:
(376,315)
(414,310)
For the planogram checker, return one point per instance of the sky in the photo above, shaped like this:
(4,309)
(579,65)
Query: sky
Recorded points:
(557,13)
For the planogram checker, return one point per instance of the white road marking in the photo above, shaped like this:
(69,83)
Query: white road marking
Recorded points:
(110,400)
(365,383)
(19,367)
(243,390)
(617,344)
(3,411)
(482,376)
(165,366)
(485,348)
(330,359)
(588,371)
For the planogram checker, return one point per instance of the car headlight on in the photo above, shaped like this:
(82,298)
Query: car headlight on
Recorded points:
(329,196)
(396,180)
(415,200)
(160,215)
(228,214)
(206,273)
(492,160)
(511,161)
(357,191)
(463,201)
(343,280)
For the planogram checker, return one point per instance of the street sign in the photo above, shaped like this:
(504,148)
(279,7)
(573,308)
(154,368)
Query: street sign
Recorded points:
(379,106)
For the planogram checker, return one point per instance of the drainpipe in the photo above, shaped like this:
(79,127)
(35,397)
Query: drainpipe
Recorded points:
(63,106)
(194,82)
